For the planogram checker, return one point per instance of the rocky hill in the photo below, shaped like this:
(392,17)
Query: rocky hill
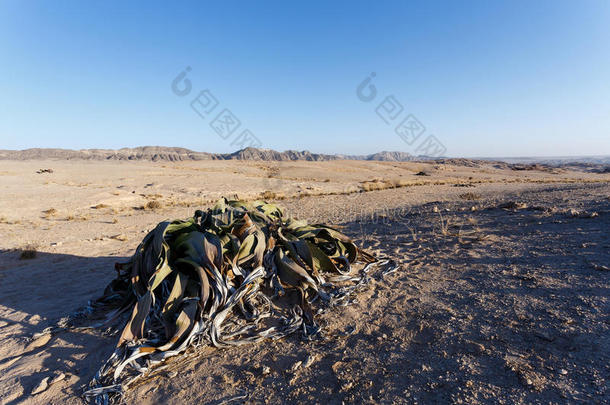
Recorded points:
(161,153)
(153,153)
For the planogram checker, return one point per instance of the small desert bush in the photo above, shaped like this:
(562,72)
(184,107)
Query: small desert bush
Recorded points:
(470,196)
(377,184)
(268,195)
(28,252)
(153,205)
(50,212)
(401,183)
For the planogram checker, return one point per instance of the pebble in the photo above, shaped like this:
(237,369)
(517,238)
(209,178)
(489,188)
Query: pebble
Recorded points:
(544,335)
(56,243)
(39,342)
(309,360)
(563,371)
(346,386)
(35,319)
(43,385)
(59,377)
(266,370)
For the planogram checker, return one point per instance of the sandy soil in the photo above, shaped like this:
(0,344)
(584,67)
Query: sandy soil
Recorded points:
(502,297)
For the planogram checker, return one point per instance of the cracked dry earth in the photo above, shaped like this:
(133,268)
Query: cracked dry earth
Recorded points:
(502,298)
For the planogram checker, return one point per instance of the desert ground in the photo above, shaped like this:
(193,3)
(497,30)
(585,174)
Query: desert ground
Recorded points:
(503,294)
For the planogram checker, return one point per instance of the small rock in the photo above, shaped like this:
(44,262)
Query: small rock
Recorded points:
(529,382)
(435,209)
(43,385)
(309,360)
(266,370)
(474,347)
(56,243)
(563,371)
(544,335)
(573,212)
(35,319)
(346,386)
(38,342)
(57,378)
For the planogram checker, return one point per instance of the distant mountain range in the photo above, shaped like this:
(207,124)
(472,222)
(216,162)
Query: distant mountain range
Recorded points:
(162,153)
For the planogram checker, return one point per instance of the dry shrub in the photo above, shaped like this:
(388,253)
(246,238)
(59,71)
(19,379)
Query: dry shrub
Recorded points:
(27,253)
(470,196)
(268,195)
(153,205)
(401,183)
(50,212)
(377,184)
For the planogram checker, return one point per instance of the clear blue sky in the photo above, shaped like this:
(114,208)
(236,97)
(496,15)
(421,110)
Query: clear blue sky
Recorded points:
(487,78)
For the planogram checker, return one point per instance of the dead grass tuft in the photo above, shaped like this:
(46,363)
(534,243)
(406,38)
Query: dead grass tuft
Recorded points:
(377,184)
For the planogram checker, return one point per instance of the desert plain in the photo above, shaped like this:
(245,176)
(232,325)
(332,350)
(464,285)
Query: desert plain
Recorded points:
(502,295)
